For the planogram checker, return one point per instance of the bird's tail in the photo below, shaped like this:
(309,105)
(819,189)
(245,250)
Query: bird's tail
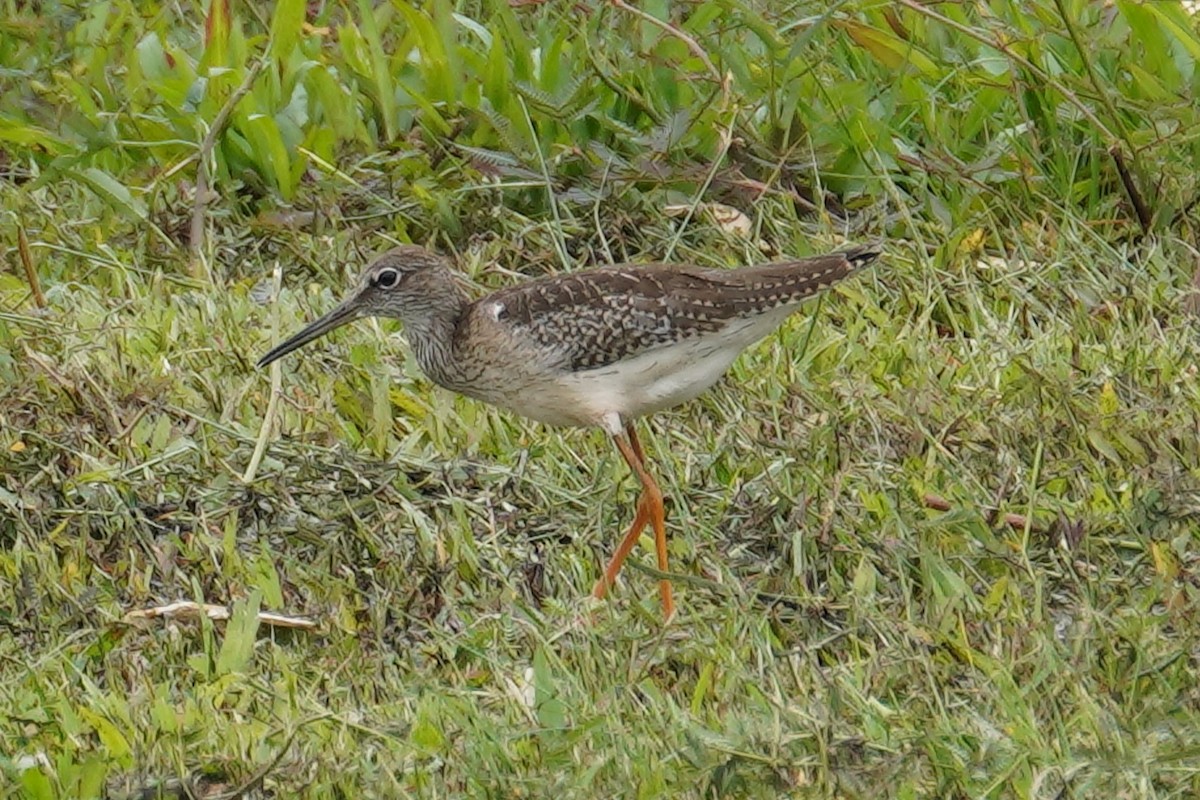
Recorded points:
(863,255)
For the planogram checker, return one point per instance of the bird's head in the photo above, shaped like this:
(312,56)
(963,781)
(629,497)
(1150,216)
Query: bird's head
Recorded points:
(408,283)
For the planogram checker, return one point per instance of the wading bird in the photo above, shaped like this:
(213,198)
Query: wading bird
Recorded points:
(597,348)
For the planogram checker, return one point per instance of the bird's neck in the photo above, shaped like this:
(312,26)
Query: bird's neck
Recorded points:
(431,335)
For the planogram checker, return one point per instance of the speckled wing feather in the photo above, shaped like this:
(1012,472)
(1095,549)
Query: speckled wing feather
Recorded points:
(598,317)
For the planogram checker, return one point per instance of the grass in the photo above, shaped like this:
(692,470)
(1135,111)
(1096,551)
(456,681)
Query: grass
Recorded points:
(935,538)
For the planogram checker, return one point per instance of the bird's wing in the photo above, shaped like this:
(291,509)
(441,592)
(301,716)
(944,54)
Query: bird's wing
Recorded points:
(594,318)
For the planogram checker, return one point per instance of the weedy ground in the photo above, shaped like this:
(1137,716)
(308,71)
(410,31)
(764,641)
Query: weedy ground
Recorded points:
(935,538)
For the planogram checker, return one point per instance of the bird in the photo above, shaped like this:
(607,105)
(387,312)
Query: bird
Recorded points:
(597,348)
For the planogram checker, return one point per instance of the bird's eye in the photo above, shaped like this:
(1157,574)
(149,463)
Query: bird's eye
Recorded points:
(387,278)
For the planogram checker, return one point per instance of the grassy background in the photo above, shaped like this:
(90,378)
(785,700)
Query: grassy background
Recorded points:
(936,538)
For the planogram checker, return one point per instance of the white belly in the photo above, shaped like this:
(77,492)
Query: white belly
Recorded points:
(646,383)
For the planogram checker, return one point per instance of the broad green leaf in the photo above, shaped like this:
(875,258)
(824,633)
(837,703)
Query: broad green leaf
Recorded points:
(237,650)
(1108,402)
(430,117)
(91,29)
(865,579)
(1103,446)
(556,69)
(1178,24)
(89,777)
(520,46)
(267,579)
(1132,447)
(551,713)
(355,49)
(1149,84)
(285,26)
(292,119)
(160,431)
(433,52)
(115,744)
(889,50)
(703,16)
(426,736)
(269,151)
(22,134)
(216,35)
(756,23)
(152,58)
(170,75)
(321,142)
(379,70)
(485,36)
(1146,30)
(37,785)
(112,191)
(993,601)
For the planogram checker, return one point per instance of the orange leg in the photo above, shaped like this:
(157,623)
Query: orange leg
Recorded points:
(635,443)
(623,549)
(649,509)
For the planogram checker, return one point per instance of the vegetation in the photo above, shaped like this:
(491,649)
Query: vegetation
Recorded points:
(937,538)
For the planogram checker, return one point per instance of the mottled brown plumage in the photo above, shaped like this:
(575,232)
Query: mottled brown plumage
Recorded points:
(603,315)
(599,347)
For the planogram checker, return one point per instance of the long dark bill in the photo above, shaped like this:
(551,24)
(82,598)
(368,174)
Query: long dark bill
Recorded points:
(346,311)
